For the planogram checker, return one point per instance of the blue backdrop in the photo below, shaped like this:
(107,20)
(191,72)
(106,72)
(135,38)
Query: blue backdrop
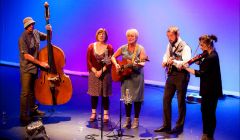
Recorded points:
(75,22)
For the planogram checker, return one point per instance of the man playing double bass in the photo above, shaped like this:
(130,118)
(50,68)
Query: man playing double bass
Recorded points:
(29,43)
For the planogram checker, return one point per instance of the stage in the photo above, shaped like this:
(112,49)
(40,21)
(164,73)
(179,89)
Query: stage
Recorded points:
(70,121)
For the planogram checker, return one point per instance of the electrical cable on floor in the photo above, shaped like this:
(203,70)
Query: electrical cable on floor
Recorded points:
(113,128)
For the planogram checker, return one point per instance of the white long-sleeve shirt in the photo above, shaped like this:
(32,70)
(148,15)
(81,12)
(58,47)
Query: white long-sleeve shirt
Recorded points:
(184,51)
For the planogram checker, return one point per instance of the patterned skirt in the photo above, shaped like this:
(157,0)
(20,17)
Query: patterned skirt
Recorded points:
(95,85)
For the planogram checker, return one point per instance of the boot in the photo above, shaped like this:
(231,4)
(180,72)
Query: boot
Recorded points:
(135,123)
(127,123)
(210,138)
(204,137)
(37,113)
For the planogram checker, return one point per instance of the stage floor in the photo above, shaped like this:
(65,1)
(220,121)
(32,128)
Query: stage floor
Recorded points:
(70,121)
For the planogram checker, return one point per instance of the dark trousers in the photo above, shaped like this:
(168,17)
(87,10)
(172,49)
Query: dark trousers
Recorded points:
(27,98)
(177,81)
(94,102)
(208,108)
(137,109)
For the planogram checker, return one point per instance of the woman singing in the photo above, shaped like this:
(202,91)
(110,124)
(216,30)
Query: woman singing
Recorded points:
(134,83)
(99,80)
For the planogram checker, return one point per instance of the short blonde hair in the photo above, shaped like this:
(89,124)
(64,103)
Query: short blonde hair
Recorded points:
(129,31)
(173,29)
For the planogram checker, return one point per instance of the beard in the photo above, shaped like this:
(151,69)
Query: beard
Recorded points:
(173,42)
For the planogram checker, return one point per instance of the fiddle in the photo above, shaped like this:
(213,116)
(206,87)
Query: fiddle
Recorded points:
(197,57)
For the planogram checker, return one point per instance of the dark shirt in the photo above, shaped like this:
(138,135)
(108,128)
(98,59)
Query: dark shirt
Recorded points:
(210,76)
(29,43)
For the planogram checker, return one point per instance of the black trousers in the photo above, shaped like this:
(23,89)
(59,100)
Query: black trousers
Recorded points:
(27,97)
(208,108)
(137,109)
(176,82)
(94,102)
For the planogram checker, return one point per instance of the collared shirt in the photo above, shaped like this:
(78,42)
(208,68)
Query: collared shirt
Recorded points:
(183,53)
(29,43)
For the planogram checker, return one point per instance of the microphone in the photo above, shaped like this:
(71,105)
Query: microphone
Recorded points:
(106,59)
(128,97)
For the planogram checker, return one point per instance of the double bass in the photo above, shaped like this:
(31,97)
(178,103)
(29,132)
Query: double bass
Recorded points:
(52,87)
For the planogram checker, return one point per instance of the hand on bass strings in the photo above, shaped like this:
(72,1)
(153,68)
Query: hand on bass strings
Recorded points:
(44,64)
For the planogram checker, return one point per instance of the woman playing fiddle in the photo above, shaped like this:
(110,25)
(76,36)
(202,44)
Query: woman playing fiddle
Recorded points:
(210,84)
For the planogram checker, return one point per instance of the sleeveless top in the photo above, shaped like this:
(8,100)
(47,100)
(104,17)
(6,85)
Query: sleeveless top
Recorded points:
(135,82)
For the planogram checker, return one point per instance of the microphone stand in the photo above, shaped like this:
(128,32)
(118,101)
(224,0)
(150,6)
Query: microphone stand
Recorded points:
(102,78)
(106,60)
(126,99)
(91,137)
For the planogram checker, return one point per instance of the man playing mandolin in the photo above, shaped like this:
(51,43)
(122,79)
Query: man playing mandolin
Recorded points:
(176,54)
(29,43)
(133,84)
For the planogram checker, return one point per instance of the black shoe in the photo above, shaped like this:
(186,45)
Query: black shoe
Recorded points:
(37,113)
(163,129)
(177,130)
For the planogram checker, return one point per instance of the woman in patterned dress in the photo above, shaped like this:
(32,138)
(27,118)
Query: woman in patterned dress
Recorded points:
(132,85)
(99,80)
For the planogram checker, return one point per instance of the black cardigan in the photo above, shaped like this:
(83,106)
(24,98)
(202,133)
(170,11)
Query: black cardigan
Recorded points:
(210,76)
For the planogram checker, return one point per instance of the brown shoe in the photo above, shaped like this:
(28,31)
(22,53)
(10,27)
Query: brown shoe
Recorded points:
(93,117)
(127,123)
(37,113)
(135,123)
(204,137)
